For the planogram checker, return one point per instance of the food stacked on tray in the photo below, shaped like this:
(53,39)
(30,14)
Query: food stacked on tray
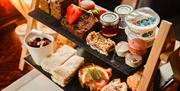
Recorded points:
(98,28)
(142,23)
(62,65)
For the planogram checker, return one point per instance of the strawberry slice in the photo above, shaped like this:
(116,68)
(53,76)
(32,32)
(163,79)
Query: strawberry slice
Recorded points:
(73,12)
(102,11)
(87,4)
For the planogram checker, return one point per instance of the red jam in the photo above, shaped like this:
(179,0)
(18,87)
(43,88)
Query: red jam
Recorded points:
(109,24)
(109,31)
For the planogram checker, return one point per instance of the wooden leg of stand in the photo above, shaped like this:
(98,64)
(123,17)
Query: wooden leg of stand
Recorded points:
(22,61)
(153,61)
(30,24)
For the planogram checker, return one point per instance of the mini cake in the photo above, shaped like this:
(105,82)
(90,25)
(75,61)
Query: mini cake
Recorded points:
(82,26)
(56,8)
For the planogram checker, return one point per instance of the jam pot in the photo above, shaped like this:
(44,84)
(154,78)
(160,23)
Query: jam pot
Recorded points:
(122,11)
(109,24)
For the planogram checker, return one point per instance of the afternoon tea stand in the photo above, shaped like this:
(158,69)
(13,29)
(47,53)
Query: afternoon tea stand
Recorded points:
(163,44)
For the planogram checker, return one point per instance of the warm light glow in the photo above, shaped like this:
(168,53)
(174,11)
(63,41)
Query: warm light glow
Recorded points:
(28,2)
(6,7)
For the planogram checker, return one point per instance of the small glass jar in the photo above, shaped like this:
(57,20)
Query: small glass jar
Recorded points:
(109,24)
(122,11)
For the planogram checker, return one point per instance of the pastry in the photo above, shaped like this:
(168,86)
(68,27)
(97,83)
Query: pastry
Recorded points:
(121,48)
(63,74)
(115,85)
(133,81)
(133,60)
(58,58)
(94,77)
(100,43)
(137,46)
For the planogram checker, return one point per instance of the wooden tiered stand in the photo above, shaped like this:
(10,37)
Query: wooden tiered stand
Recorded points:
(30,24)
(163,44)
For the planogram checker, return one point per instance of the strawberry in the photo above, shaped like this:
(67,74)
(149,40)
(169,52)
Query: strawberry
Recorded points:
(97,12)
(102,11)
(73,12)
(87,4)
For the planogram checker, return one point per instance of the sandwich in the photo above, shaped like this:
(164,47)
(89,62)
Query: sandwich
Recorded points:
(63,74)
(58,58)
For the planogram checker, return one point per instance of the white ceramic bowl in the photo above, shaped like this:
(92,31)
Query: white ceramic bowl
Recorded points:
(39,53)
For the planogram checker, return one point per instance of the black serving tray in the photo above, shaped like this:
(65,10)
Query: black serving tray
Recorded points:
(74,84)
(112,59)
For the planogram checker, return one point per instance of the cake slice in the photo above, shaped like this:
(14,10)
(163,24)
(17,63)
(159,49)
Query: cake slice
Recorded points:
(100,43)
(56,8)
(82,26)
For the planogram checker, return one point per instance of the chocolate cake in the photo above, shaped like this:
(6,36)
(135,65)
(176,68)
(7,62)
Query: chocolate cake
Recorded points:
(83,25)
(56,8)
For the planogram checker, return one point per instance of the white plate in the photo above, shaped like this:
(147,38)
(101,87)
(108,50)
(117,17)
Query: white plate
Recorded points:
(33,81)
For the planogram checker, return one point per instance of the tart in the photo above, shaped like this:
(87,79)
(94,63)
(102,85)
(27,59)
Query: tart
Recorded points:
(94,77)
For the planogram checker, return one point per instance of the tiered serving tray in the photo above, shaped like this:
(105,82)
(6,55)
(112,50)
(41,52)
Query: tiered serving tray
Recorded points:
(74,84)
(112,59)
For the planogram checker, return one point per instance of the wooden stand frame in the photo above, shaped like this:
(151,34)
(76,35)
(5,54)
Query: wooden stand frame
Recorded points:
(164,42)
(30,24)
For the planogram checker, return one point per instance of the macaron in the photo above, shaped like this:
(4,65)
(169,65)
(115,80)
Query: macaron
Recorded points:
(137,46)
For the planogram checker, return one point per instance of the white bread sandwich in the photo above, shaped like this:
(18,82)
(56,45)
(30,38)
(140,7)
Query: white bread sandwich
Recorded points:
(63,74)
